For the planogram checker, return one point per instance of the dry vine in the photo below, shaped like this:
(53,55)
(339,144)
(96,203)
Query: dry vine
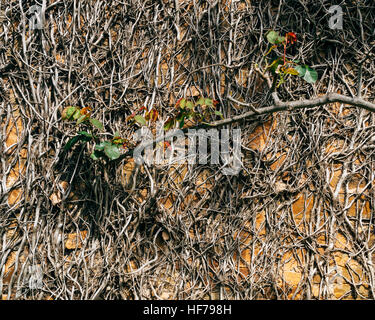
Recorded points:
(187,231)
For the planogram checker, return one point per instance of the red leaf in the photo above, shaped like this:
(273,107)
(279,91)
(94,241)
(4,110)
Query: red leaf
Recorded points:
(291,37)
(178,102)
(154,115)
(167,145)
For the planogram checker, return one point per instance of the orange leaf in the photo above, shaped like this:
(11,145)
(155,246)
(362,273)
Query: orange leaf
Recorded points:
(167,145)
(86,111)
(292,71)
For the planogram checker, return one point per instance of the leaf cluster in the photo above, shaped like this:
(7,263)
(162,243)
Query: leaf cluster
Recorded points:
(281,67)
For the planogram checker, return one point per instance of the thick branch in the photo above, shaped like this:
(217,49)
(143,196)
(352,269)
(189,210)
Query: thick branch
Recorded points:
(300,104)
(278,106)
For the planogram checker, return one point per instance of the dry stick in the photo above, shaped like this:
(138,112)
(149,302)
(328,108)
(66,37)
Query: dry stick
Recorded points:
(301,104)
(278,106)
(359,84)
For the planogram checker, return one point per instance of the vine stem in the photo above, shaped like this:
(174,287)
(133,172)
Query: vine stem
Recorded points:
(278,106)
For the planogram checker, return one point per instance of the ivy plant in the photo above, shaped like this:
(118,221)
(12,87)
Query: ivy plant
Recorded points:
(281,67)
(112,149)
(188,110)
(82,116)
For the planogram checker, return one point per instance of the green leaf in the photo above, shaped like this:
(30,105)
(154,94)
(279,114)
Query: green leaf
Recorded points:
(218,113)
(190,105)
(112,151)
(272,36)
(141,120)
(76,114)
(169,124)
(99,147)
(68,112)
(82,118)
(183,103)
(200,101)
(102,145)
(301,70)
(182,121)
(95,155)
(86,134)
(72,142)
(281,81)
(280,40)
(180,116)
(311,75)
(308,74)
(96,123)
(208,102)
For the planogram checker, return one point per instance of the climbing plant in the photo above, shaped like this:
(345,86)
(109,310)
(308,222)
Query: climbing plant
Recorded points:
(198,112)
(281,67)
